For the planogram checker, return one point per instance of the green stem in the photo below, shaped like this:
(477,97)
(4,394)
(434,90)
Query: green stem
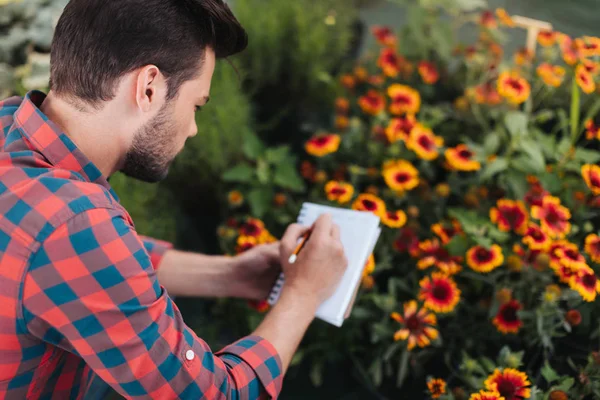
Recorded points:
(574,112)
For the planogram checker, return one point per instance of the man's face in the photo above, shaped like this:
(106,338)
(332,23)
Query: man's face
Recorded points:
(157,143)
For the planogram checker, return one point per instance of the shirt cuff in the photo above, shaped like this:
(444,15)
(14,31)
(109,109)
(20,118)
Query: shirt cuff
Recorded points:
(260,355)
(156,249)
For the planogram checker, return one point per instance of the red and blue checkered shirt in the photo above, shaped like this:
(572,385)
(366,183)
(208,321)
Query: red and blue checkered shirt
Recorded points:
(80,304)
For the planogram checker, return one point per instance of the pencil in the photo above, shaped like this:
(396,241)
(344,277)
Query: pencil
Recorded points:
(294,255)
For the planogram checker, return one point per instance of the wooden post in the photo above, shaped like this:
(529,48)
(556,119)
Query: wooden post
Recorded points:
(533,27)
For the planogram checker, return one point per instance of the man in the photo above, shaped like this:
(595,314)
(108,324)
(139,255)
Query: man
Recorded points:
(83,298)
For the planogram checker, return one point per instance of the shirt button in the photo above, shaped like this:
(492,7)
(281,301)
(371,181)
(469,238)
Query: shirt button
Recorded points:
(189,355)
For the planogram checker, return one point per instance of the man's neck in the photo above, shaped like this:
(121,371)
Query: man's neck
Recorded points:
(95,133)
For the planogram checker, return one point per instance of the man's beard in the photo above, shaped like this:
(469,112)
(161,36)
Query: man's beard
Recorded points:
(150,155)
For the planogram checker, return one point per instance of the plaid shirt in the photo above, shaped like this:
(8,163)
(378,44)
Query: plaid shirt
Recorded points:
(80,304)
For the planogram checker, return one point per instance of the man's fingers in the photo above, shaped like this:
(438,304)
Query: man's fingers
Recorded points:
(322,227)
(291,236)
(335,231)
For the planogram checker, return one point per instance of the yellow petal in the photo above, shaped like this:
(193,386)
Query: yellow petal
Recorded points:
(402,334)
(431,332)
(410,308)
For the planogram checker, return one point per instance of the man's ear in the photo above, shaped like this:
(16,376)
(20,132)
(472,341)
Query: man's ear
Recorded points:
(149,91)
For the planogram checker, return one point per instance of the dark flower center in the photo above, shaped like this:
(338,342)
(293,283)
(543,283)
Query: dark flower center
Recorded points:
(552,217)
(483,255)
(369,205)
(509,314)
(465,154)
(572,254)
(402,99)
(321,140)
(392,216)
(537,235)
(425,142)
(338,191)
(595,180)
(507,389)
(391,58)
(251,229)
(413,323)
(402,177)
(515,84)
(589,281)
(584,78)
(441,292)
(512,215)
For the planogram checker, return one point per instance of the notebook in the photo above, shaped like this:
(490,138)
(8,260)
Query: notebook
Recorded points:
(359,232)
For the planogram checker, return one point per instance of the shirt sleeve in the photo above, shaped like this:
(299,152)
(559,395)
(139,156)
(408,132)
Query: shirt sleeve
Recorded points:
(91,290)
(156,249)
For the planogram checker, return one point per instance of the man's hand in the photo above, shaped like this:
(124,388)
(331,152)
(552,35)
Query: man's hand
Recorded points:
(255,272)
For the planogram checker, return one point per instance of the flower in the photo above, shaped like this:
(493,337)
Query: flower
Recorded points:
(342,105)
(558,395)
(588,46)
(432,253)
(235,198)
(424,142)
(553,217)
(437,387)
(418,326)
(407,240)
(339,191)
(535,238)
(372,103)
(485,93)
(592,130)
(504,295)
(513,87)
(389,62)
(261,306)
(535,195)
(394,219)
(573,317)
(384,35)
(460,158)
(570,52)
(591,176)
(446,231)
(245,243)
(428,71)
(280,199)
(399,128)
(369,266)
(404,99)
(439,293)
(591,66)
(552,293)
(361,73)
(552,75)
(348,81)
(323,144)
(341,122)
(546,38)
(442,189)
(369,202)
(568,255)
(504,18)
(487,19)
(483,260)
(510,383)
(253,228)
(523,56)
(400,175)
(584,79)
(586,284)
(510,215)
(483,395)
(592,247)
(507,320)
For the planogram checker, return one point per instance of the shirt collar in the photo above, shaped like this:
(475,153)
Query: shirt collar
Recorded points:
(49,140)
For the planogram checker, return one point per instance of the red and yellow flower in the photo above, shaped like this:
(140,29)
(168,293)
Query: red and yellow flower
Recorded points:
(323,144)
(552,75)
(369,266)
(405,100)
(431,253)
(592,247)
(510,383)
(446,231)
(485,93)
(245,243)
(338,191)
(372,103)
(513,87)
(504,17)
(546,38)
(407,241)
(588,46)
(235,198)
(523,56)
(428,72)
(460,158)
(570,52)
(510,215)
(348,81)
(554,218)
(487,20)
(536,239)
(384,35)
(591,66)
(400,175)
(253,227)
(591,176)
(536,194)
(417,326)
(439,293)
(437,387)
(485,260)
(424,143)
(483,395)
(507,319)
(568,255)
(584,79)
(370,203)
(394,219)
(586,283)
(390,62)
(592,131)
(573,317)
(399,128)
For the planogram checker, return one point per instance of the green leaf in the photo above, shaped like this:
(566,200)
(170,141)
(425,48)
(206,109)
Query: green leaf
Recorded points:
(277,155)
(239,173)
(287,177)
(587,156)
(403,368)
(527,165)
(517,183)
(316,374)
(392,350)
(574,111)
(482,241)
(263,172)
(458,245)
(491,143)
(498,165)
(547,143)
(471,5)
(376,371)
(297,359)
(253,147)
(534,152)
(516,123)
(566,385)
(548,373)
(550,182)
(259,200)
(487,364)
(563,146)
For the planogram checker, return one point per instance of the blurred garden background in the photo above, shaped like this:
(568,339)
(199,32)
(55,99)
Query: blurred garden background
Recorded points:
(479,154)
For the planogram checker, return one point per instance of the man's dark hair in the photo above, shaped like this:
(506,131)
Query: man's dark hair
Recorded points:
(98,41)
